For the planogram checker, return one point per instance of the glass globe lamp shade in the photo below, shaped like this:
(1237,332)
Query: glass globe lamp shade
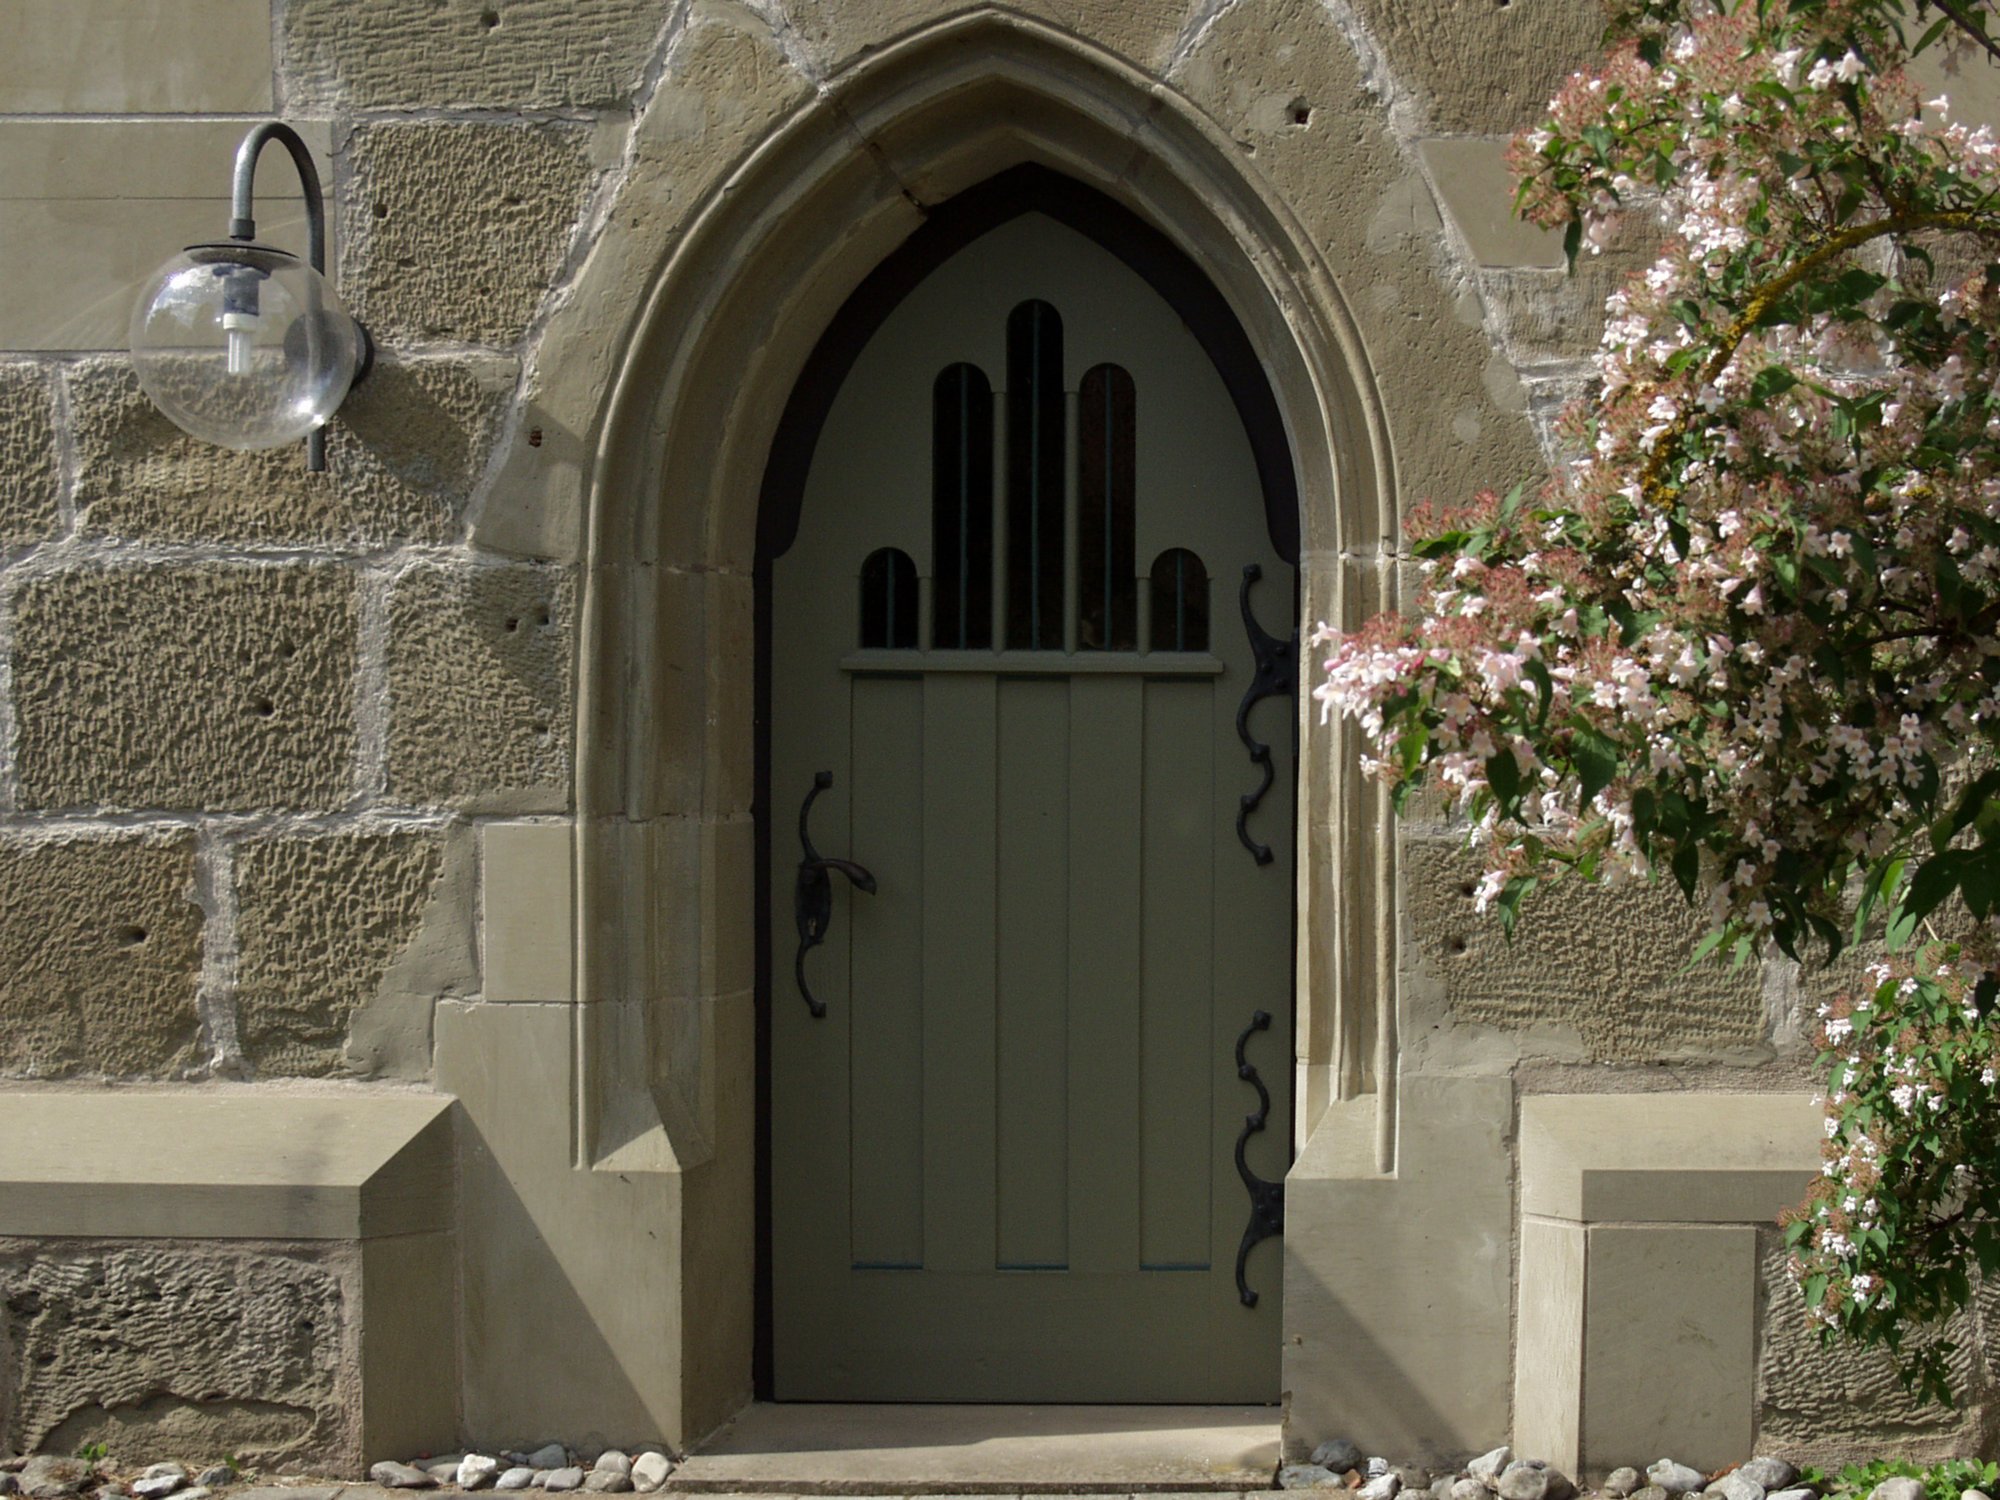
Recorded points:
(243,345)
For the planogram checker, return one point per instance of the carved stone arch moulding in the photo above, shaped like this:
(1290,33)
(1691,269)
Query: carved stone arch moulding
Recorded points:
(733,301)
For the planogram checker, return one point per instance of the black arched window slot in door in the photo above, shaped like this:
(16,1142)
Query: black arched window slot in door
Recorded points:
(888,600)
(961,509)
(1035,478)
(1107,592)
(1180,602)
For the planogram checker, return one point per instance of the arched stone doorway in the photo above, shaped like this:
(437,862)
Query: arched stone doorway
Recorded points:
(664,1035)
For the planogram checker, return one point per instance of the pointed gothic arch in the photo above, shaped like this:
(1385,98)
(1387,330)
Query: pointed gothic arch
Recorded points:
(740,298)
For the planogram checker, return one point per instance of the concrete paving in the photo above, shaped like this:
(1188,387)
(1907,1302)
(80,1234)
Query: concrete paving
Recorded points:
(981,1451)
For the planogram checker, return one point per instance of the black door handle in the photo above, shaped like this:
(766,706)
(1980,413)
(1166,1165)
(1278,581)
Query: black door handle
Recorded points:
(812,898)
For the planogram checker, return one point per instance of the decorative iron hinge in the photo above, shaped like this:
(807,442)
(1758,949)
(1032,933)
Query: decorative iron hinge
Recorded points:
(1267,1199)
(1275,673)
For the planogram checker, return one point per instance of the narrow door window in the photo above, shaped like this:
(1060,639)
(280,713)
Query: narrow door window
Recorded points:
(1034,478)
(1107,592)
(962,509)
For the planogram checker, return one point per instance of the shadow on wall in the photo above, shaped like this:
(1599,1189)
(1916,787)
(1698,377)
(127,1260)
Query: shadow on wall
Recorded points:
(1380,1398)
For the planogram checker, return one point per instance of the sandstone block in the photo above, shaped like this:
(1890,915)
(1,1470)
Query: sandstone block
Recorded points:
(510,54)
(402,458)
(1553,315)
(103,56)
(1608,965)
(840,32)
(1314,126)
(1524,51)
(1822,1403)
(211,686)
(161,1346)
(320,923)
(727,83)
(100,956)
(479,682)
(454,230)
(1478,191)
(27,455)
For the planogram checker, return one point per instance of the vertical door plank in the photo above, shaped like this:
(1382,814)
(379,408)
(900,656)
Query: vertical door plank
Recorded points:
(1034,974)
(958,789)
(885,996)
(1106,743)
(1177,1061)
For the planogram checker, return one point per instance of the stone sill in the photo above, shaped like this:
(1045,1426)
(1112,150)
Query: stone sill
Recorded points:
(225,1164)
(1666,1158)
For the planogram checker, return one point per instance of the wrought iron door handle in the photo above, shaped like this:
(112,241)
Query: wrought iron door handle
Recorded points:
(812,897)
(1267,1199)
(1275,671)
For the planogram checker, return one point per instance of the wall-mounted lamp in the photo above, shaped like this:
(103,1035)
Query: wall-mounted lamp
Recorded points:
(242,344)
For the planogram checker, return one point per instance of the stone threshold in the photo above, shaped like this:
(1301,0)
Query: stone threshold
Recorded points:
(990,1452)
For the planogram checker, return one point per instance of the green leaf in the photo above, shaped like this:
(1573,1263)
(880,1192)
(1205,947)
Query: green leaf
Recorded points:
(1950,585)
(1509,901)
(1537,672)
(1902,927)
(1882,883)
(1595,759)
(1503,774)
(1708,945)
(1572,242)
(1772,380)
(1932,884)
(1687,869)
(1980,881)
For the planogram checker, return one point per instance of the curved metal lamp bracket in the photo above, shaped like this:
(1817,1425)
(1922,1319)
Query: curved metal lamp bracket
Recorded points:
(243,226)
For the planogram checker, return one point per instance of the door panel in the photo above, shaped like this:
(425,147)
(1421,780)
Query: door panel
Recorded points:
(1002,1162)
(1033,914)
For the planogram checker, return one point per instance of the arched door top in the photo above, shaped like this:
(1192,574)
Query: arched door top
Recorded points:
(1032,188)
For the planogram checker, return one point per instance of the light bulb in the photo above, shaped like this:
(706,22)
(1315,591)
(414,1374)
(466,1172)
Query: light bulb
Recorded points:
(241,331)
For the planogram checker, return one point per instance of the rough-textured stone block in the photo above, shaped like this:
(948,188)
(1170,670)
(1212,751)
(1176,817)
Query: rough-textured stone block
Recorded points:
(1828,1405)
(1484,67)
(27,455)
(163,1347)
(726,85)
(838,32)
(100,956)
(1607,965)
(402,457)
(320,923)
(454,230)
(1313,124)
(208,686)
(479,674)
(1552,315)
(509,54)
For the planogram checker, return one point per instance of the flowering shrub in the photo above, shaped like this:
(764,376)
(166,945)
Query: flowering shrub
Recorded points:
(1747,639)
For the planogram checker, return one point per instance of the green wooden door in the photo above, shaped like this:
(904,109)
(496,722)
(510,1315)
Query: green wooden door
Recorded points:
(1002,1161)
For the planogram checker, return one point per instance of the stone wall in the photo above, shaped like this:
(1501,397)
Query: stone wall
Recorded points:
(165,1346)
(260,729)
(222,649)
(250,715)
